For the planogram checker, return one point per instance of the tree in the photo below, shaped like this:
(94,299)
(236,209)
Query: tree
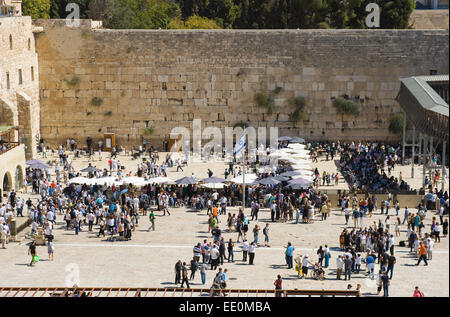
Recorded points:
(134,14)
(37,9)
(224,12)
(58,8)
(194,22)
(395,14)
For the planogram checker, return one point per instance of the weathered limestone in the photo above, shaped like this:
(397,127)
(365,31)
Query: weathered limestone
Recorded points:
(164,79)
(19,80)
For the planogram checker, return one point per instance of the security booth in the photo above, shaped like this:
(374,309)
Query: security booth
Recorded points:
(109,141)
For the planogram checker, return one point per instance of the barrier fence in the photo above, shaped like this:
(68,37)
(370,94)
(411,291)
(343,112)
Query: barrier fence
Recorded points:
(162,292)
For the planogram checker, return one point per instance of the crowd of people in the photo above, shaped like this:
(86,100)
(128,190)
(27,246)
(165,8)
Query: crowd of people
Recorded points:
(364,166)
(116,210)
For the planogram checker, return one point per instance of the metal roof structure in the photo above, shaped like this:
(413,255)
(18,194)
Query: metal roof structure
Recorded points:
(423,105)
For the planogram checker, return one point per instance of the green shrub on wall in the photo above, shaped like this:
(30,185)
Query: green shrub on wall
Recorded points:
(149,131)
(299,105)
(396,123)
(108,114)
(346,106)
(263,100)
(73,82)
(96,101)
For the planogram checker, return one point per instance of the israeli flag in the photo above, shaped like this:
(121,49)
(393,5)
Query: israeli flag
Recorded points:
(241,144)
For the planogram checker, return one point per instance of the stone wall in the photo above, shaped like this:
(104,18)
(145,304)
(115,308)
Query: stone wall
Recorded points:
(12,169)
(19,98)
(163,79)
(429,19)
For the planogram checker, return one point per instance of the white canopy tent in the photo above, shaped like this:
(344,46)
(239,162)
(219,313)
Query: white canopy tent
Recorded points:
(249,178)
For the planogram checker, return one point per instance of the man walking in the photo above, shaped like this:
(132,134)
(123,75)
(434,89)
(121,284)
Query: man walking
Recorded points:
(390,268)
(245,248)
(289,255)
(185,276)
(348,267)
(423,254)
(385,281)
(340,266)
(251,253)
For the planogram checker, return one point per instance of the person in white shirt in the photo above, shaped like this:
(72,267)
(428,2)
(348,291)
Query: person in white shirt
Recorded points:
(51,217)
(305,265)
(437,232)
(3,234)
(358,263)
(245,248)
(340,267)
(214,257)
(430,245)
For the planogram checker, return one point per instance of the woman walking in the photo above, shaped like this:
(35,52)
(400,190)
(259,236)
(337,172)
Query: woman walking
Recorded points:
(327,256)
(51,248)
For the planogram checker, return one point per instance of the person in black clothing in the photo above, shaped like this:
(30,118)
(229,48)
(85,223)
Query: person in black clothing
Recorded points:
(185,276)
(380,248)
(194,266)
(230,251)
(348,266)
(321,254)
(32,252)
(384,260)
(390,267)
(178,268)
(216,232)
(255,212)
(222,251)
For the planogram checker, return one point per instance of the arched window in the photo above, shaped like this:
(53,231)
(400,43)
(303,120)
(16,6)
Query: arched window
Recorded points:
(10,42)
(29,44)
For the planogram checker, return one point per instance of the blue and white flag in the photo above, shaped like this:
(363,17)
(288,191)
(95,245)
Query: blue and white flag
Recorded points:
(241,144)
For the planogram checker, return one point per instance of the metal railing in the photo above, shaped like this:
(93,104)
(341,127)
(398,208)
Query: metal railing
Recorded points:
(9,147)
(162,292)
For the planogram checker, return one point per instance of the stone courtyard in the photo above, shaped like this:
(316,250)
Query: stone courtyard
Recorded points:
(148,259)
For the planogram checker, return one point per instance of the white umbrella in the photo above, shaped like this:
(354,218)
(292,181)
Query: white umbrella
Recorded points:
(249,178)
(136,181)
(108,181)
(275,154)
(159,180)
(213,185)
(79,180)
(303,174)
(301,156)
(296,146)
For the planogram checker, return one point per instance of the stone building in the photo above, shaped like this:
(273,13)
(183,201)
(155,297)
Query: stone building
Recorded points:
(10,8)
(19,80)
